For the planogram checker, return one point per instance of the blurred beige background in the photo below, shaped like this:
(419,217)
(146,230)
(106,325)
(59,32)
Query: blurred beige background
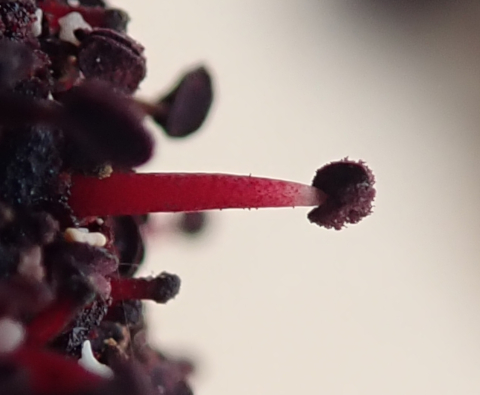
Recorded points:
(271,304)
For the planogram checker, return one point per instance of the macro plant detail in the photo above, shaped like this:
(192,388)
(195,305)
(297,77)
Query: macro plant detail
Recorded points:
(72,206)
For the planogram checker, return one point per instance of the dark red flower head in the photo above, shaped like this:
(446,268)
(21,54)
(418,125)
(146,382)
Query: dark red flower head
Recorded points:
(72,205)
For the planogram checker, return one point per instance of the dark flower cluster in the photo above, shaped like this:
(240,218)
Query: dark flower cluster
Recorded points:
(72,206)
(66,76)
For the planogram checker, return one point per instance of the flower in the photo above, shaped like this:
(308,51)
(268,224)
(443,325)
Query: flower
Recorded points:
(72,205)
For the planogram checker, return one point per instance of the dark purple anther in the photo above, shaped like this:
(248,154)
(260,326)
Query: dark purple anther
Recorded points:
(110,56)
(106,127)
(185,108)
(349,187)
(192,223)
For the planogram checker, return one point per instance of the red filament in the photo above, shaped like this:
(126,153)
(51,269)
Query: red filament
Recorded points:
(132,193)
(159,289)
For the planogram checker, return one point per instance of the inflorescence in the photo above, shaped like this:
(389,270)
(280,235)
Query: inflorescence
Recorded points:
(72,206)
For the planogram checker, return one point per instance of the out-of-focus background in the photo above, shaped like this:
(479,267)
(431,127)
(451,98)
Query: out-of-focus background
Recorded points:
(271,304)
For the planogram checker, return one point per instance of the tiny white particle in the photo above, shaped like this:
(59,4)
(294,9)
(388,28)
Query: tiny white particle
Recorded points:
(37,25)
(90,363)
(12,334)
(68,24)
(81,235)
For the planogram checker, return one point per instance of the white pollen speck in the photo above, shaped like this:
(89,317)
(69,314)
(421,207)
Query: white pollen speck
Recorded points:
(12,334)
(37,25)
(69,23)
(81,235)
(90,363)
